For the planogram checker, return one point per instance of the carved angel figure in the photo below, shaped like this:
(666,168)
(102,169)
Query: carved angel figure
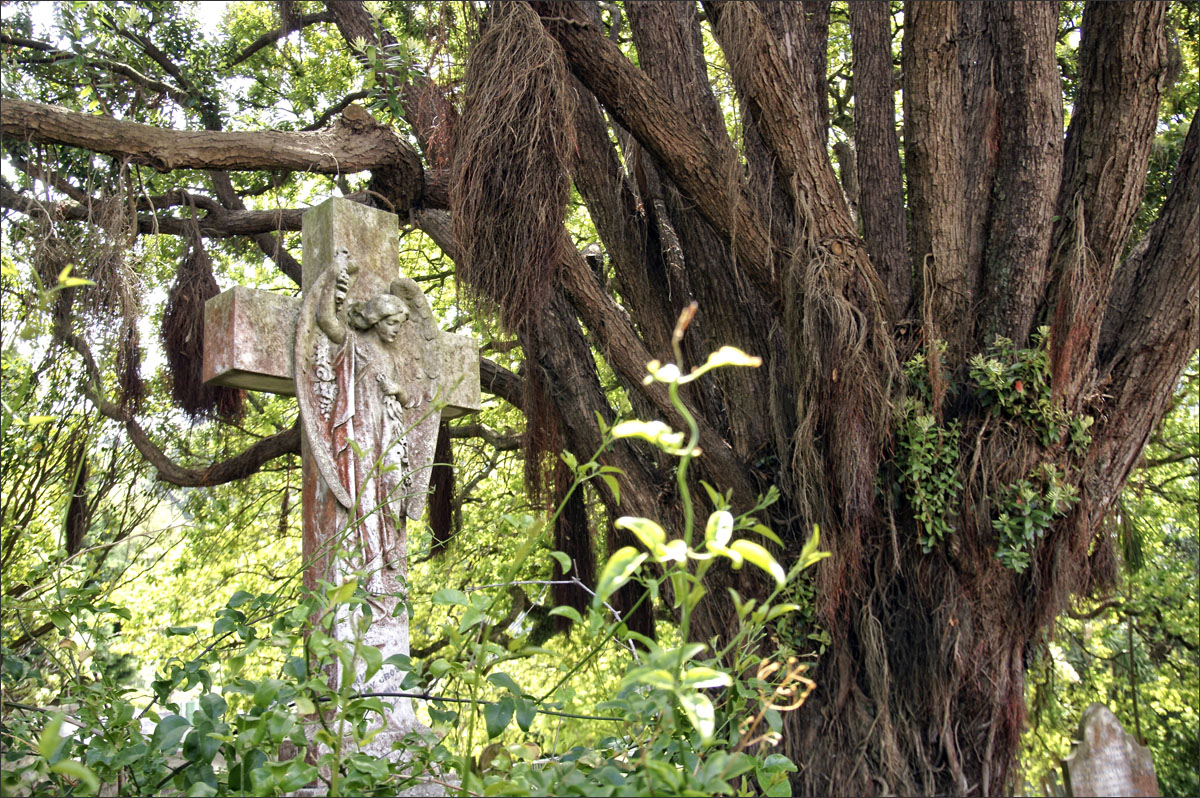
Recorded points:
(374,447)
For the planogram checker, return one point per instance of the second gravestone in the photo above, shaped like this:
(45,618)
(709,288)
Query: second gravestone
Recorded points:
(373,374)
(1107,760)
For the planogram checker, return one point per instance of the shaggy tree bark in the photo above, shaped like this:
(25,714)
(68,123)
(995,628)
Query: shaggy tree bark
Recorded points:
(1012,223)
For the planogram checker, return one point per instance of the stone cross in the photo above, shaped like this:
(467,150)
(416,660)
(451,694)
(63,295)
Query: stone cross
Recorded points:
(372,374)
(1107,760)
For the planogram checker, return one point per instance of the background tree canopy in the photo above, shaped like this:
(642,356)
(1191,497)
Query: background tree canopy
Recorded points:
(963,238)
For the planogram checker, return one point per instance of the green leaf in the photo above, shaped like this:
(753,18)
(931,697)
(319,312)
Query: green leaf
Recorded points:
(266,692)
(700,712)
(449,595)
(781,609)
(702,677)
(173,631)
(213,705)
(617,571)
(497,716)
(201,789)
(373,657)
(80,772)
(502,679)
(526,712)
(343,592)
(767,533)
(810,555)
(50,739)
(613,487)
(239,598)
(760,557)
(659,678)
(568,612)
(564,562)
(169,732)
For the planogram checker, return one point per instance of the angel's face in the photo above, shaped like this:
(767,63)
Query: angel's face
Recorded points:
(389,326)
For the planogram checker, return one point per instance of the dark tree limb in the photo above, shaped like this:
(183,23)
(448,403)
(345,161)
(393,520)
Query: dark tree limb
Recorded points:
(345,147)
(335,109)
(1123,60)
(933,144)
(499,381)
(786,118)
(681,148)
(881,208)
(219,224)
(497,440)
(1151,327)
(1028,170)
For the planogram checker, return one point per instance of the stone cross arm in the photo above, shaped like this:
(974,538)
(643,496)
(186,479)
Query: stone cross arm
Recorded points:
(248,340)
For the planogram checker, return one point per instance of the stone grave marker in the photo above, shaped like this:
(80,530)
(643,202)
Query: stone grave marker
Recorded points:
(1107,760)
(372,373)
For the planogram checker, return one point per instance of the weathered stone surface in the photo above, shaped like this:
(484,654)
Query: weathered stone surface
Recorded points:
(1107,760)
(246,332)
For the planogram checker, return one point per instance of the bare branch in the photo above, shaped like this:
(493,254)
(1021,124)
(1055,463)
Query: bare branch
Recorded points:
(231,470)
(497,440)
(272,36)
(219,223)
(336,109)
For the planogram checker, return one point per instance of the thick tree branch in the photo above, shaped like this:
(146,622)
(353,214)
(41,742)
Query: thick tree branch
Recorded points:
(347,146)
(1123,63)
(1151,327)
(497,440)
(620,345)
(1028,170)
(933,146)
(881,207)
(781,102)
(683,149)
(499,381)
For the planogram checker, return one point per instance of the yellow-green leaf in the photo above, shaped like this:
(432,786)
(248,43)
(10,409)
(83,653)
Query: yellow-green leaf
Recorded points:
(656,432)
(760,557)
(719,529)
(699,711)
(702,677)
(649,533)
(343,592)
(617,571)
